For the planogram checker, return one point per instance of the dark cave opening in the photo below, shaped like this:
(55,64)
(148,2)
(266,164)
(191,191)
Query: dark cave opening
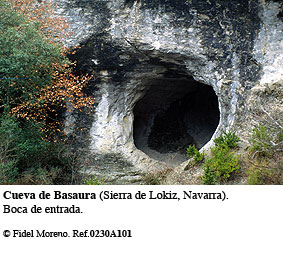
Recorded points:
(174,113)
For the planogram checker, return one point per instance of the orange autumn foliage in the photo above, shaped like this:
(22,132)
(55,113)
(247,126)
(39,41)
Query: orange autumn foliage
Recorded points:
(43,12)
(65,88)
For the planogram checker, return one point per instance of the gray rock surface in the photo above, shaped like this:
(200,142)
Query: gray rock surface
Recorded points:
(147,55)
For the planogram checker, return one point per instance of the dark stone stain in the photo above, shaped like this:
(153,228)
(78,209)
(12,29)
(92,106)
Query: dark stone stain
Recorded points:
(240,17)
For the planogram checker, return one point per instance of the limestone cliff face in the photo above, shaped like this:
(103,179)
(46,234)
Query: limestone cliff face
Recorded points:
(192,64)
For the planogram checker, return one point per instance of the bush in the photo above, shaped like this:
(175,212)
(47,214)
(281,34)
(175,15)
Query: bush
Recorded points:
(192,151)
(36,80)
(91,180)
(8,171)
(265,141)
(28,59)
(265,161)
(220,167)
(209,176)
(35,74)
(9,132)
(27,158)
(227,139)
(223,163)
(262,174)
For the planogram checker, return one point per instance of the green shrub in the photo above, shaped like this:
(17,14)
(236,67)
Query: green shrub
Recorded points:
(27,58)
(26,158)
(192,151)
(8,171)
(223,163)
(260,174)
(227,139)
(265,141)
(209,176)
(91,180)
(9,132)
(32,66)
(265,160)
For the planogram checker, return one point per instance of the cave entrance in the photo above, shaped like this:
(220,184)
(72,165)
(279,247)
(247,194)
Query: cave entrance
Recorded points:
(172,114)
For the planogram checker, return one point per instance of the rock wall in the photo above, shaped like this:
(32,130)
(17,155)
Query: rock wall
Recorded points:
(147,55)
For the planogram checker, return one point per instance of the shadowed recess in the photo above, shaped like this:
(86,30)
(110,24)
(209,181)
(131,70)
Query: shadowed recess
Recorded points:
(174,113)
